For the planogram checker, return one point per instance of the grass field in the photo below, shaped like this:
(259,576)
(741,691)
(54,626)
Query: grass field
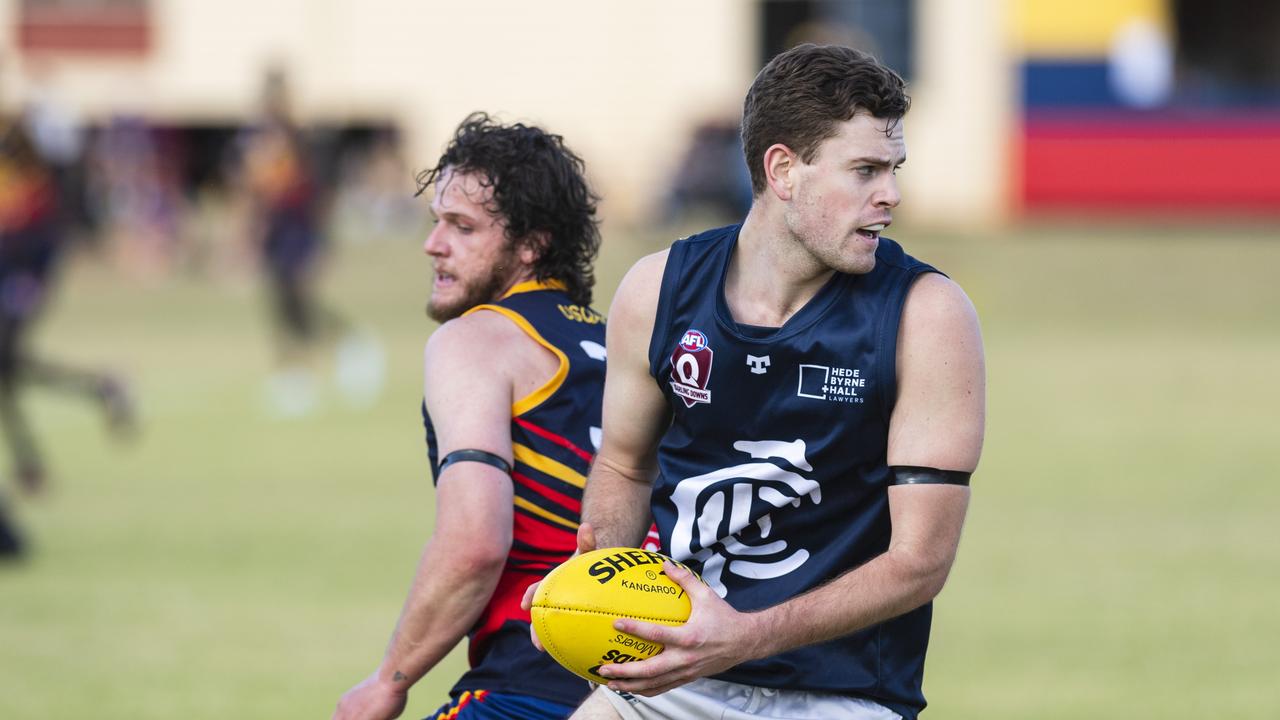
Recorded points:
(1120,559)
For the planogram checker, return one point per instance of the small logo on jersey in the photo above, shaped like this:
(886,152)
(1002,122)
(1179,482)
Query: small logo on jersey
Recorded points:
(693,340)
(691,368)
(594,350)
(834,384)
(759,365)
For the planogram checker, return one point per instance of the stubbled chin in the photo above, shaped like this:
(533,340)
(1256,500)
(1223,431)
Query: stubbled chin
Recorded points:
(441,312)
(440,307)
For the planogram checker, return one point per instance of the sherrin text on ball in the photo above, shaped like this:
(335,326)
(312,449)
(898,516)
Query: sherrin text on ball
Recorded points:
(576,604)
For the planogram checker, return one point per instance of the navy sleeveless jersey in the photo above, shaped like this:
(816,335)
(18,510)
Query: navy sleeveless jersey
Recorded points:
(554,433)
(772,476)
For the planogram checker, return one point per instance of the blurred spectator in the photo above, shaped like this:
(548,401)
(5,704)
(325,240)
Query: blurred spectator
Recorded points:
(712,175)
(58,131)
(32,236)
(288,202)
(374,199)
(134,193)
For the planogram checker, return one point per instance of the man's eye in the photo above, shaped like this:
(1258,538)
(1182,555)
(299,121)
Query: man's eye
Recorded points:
(865,171)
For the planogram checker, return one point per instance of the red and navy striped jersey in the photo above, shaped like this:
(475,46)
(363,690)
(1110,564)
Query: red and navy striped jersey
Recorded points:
(554,434)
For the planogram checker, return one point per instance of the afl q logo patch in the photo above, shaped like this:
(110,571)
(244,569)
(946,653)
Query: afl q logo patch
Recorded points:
(691,368)
(693,341)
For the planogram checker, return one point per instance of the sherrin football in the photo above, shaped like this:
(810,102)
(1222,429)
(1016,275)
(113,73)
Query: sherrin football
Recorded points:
(575,606)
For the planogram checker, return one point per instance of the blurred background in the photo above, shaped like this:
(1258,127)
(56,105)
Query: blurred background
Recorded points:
(215,489)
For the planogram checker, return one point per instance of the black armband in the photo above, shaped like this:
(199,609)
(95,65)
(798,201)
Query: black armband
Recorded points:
(915,475)
(480,456)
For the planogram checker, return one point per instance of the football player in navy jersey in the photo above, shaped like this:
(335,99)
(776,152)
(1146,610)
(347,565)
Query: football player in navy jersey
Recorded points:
(800,404)
(33,243)
(512,392)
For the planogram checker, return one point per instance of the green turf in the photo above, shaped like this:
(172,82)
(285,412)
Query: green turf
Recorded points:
(1120,559)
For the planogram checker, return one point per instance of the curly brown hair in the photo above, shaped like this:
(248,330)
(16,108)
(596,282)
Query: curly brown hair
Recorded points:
(539,187)
(803,93)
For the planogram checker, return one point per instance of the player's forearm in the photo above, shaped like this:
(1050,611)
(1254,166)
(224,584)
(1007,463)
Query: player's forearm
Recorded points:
(450,591)
(616,504)
(890,585)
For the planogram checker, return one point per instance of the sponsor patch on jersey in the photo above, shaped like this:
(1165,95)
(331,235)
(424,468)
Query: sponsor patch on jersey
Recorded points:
(833,384)
(691,368)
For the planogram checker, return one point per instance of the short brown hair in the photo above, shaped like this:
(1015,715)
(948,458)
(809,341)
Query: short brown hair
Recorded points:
(800,96)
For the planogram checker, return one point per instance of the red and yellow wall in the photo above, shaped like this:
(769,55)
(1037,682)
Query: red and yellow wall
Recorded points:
(1100,131)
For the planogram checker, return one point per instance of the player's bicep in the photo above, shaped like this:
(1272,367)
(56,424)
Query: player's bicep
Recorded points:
(940,412)
(634,416)
(467,389)
(635,411)
(468,392)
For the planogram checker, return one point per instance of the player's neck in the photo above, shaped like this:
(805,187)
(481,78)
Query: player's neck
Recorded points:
(770,277)
(523,276)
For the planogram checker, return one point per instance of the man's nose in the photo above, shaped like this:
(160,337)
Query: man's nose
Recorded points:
(888,196)
(435,244)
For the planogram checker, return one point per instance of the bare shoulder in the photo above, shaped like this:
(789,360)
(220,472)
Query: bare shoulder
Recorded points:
(638,292)
(936,303)
(634,309)
(470,343)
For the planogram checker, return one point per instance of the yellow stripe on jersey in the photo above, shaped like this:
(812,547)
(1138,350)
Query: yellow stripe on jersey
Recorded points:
(467,696)
(535,398)
(545,514)
(542,463)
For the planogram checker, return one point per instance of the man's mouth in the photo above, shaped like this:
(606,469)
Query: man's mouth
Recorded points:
(872,232)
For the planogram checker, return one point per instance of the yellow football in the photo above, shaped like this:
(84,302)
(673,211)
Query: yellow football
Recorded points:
(575,606)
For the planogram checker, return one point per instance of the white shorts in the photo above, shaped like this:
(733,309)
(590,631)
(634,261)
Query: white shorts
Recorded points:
(708,699)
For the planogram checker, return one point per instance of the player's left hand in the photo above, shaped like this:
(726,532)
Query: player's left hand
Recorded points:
(371,700)
(715,638)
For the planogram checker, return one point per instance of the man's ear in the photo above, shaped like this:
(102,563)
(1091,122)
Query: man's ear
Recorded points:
(532,247)
(780,164)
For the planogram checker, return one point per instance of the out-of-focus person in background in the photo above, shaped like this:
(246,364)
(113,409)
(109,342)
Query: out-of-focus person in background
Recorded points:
(288,208)
(512,388)
(711,177)
(132,171)
(32,240)
(816,473)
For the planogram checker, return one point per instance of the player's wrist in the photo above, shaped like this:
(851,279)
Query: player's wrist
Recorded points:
(393,682)
(760,633)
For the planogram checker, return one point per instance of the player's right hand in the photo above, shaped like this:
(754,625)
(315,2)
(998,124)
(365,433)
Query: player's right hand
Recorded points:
(586,538)
(586,543)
